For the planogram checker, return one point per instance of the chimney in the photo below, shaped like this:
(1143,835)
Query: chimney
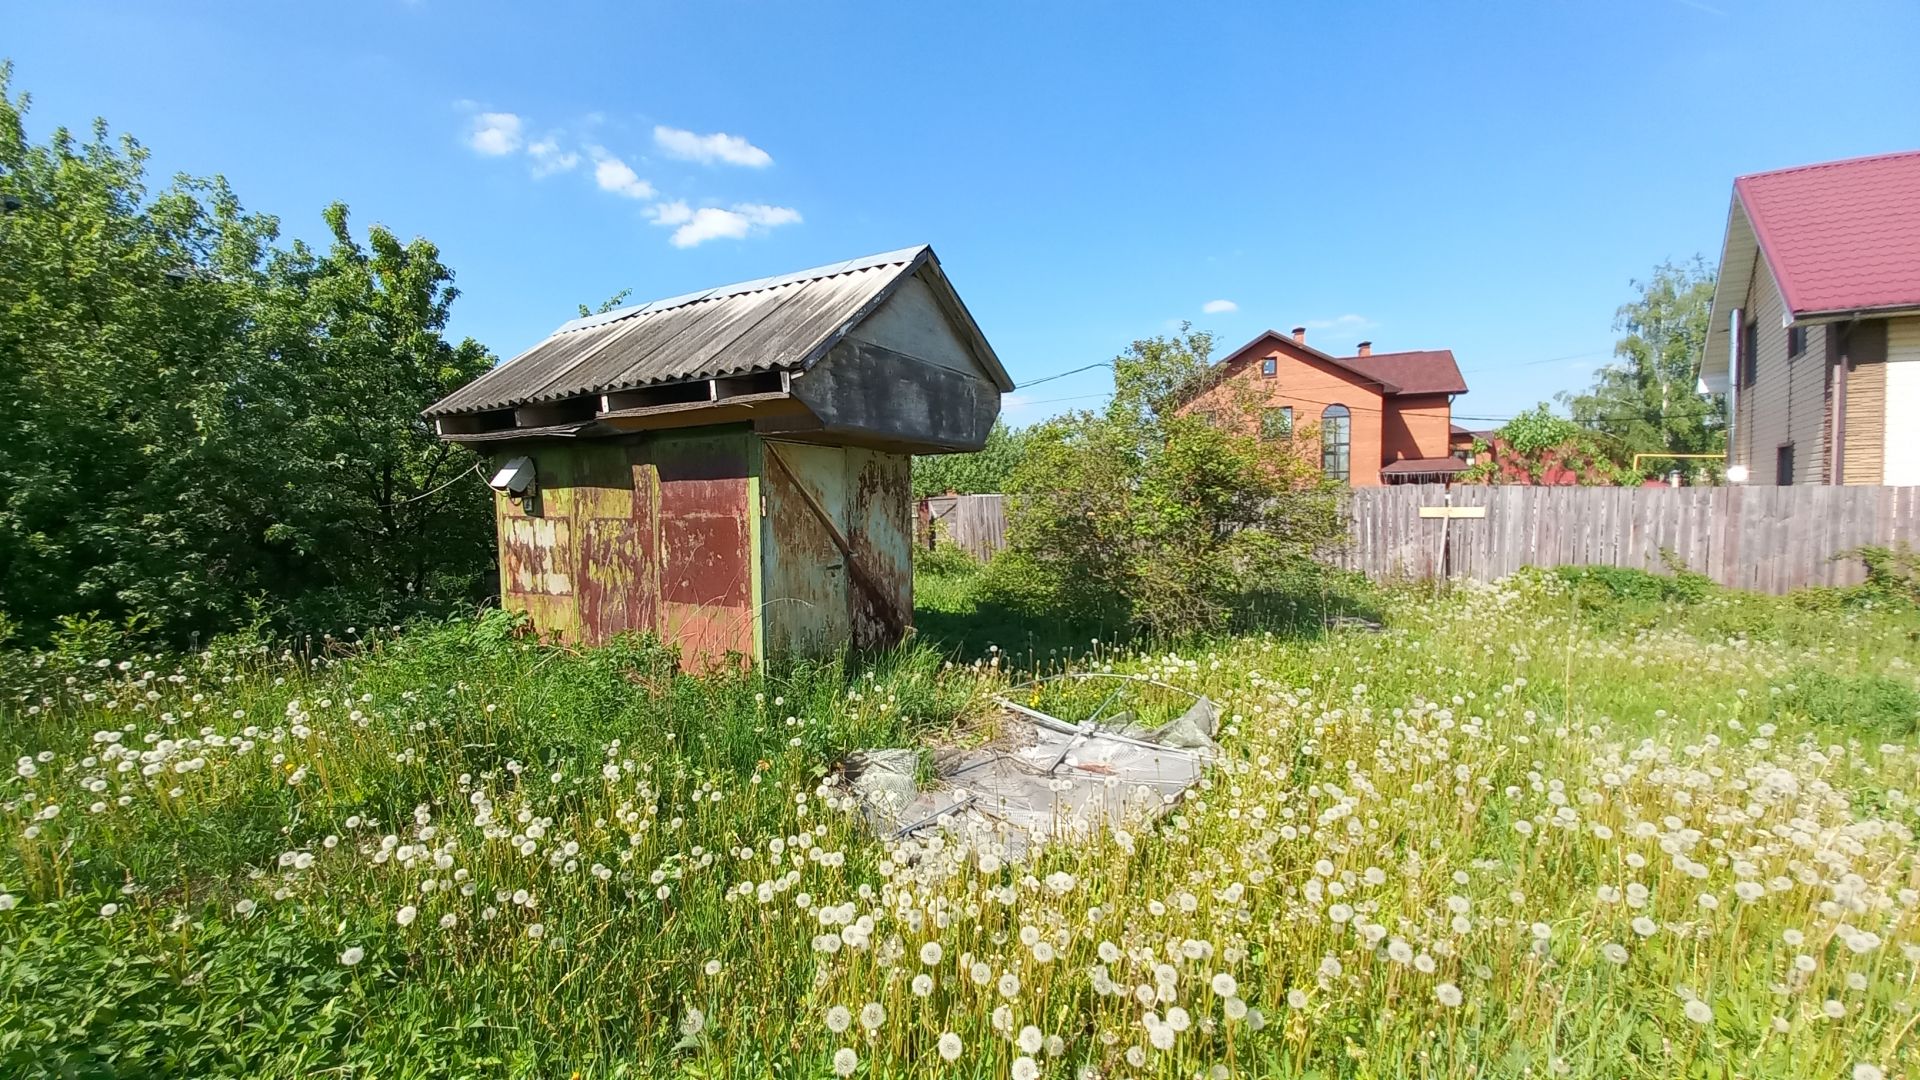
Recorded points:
(1299,335)
(1366,348)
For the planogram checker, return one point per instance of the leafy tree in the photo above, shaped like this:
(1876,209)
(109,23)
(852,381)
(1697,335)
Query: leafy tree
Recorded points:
(1145,514)
(1647,399)
(202,424)
(1537,447)
(983,473)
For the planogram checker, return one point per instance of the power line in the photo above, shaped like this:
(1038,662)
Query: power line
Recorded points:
(1063,374)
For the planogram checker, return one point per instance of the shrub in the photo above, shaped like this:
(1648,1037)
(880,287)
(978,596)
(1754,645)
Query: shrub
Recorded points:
(1156,516)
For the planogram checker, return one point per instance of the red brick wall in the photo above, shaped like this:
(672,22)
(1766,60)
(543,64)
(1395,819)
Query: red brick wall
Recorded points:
(1309,385)
(1416,427)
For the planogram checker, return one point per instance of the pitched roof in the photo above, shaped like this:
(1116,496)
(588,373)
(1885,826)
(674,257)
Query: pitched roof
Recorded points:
(1425,371)
(769,324)
(1420,371)
(1840,236)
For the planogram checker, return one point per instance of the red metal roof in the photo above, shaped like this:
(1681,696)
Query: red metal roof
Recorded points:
(1424,371)
(1842,235)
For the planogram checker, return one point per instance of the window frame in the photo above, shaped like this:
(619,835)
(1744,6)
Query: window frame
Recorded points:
(1342,451)
(1269,367)
(1750,354)
(1284,413)
(1783,455)
(1796,342)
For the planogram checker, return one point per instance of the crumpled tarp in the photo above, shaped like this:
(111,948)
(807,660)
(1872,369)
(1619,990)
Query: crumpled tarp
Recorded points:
(1046,777)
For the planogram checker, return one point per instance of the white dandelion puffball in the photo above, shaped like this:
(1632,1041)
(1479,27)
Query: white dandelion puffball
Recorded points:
(406,915)
(839,1019)
(1224,985)
(1866,1071)
(1614,952)
(1448,994)
(872,1015)
(1025,1068)
(1009,986)
(449,921)
(922,985)
(1698,1011)
(353,955)
(693,1023)
(845,1061)
(949,1047)
(1030,1039)
(930,953)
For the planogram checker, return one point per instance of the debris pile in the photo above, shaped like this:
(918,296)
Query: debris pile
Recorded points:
(1044,777)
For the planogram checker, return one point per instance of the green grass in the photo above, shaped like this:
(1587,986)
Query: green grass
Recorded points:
(639,870)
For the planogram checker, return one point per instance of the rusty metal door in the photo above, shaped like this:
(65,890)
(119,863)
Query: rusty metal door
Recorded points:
(705,556)
(838,551)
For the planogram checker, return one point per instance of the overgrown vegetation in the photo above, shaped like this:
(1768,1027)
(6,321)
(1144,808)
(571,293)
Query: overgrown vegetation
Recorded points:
(987,472)
(204,427)
(1573,824)
(1146,517)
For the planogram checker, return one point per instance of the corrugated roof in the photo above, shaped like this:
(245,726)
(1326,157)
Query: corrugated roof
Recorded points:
(1842,235)
(774,323)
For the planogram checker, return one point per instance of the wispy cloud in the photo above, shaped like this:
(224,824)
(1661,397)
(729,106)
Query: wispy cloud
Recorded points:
(505,134)
(692,227)
(708,149)
(495,133)
(1341,322)
(550,157)
(616,176)
(1219,307)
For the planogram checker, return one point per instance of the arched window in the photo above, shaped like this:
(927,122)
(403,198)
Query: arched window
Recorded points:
(1336,436)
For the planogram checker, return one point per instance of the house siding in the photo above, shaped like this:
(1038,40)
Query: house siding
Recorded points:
(1900,446)
(1309,387)
(1788,402)
(1863,462)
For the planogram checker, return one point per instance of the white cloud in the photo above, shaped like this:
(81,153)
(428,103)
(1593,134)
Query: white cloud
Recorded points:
(707,149)
(1219,307)
(550,157)
(676,212)
(694,227)
(617,176)
(1341,322)
(495,133)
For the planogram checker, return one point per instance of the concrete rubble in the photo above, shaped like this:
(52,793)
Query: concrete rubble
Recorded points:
(1045,777)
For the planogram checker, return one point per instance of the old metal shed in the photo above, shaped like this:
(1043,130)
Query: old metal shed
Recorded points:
(730,468)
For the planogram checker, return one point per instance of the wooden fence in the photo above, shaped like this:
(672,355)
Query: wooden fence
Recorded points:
(1768,539)
(974,523)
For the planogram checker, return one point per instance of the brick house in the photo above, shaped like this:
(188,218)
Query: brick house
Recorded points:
(1380,418)
(1815,332)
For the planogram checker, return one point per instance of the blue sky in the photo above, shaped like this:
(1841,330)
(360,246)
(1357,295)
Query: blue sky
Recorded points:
(1487,178)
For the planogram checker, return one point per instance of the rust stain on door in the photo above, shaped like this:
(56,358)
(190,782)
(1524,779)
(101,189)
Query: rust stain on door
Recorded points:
(705,558)
(881,532)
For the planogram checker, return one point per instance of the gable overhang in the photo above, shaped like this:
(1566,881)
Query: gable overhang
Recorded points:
(1302,351)
(1740,257)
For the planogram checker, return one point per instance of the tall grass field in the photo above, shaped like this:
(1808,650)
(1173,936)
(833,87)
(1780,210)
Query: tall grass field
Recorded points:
(1565,825)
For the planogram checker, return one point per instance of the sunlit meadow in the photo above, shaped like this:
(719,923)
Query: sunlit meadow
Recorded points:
(1521,831)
